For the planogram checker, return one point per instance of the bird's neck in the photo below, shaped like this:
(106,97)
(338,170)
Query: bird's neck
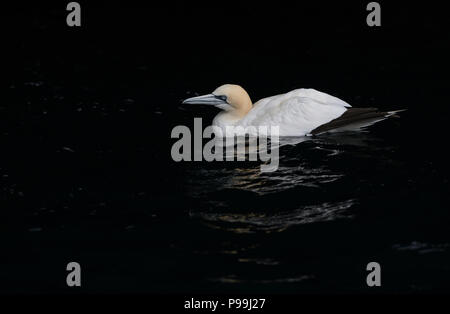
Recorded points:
(241,104)
(236,114)
(243,109)
(226,118)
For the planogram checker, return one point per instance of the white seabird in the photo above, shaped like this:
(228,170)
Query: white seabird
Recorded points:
(297,113)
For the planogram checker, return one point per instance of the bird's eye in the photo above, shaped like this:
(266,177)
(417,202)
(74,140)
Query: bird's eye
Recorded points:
(222,97)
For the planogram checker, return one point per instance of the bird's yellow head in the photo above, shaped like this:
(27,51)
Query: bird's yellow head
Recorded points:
(228,97)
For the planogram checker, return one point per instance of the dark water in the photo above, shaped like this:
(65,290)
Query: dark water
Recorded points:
(86,173)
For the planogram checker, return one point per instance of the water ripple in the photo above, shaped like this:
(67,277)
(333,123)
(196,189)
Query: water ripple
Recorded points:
(276,222)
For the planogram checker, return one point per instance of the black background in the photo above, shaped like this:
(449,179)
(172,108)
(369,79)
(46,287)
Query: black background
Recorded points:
(116,82)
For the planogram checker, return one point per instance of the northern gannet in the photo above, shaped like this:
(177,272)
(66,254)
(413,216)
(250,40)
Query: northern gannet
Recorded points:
(300,112)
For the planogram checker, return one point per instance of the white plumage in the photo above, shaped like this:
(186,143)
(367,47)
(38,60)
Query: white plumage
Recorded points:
(296,113)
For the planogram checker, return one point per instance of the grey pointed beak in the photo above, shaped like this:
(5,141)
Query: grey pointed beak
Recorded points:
(209,99)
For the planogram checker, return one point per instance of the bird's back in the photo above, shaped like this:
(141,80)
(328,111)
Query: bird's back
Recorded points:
(296,113)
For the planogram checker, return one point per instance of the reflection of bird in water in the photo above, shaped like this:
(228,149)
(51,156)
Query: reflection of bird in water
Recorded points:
(296,113)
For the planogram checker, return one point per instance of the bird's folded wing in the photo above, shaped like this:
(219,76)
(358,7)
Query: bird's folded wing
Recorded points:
(318,96)
(296,113)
